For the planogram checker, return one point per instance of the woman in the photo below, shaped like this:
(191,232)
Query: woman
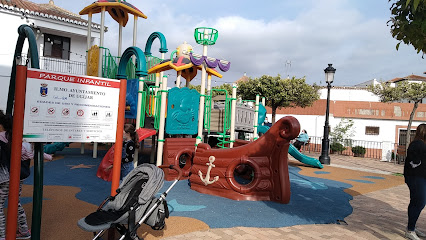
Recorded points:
(301,139)
(415,178)
(23,231)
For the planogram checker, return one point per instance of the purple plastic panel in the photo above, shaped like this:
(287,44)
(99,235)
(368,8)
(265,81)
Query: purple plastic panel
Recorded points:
(212,64)
(224,67)
(196,61)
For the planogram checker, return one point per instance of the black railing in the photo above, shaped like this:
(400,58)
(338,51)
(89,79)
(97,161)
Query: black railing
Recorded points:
(373,149)
(61,65)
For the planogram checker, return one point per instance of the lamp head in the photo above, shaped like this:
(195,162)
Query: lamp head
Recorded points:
(329,73)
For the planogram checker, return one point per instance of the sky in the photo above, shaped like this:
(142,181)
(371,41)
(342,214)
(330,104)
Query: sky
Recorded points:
(291,38)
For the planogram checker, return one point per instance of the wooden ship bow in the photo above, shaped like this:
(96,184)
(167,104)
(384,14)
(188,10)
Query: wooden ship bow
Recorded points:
(256,171)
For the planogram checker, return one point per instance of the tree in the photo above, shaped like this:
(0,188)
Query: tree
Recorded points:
(196,87)
(342,132)
(279,92)
(225,86)
(409,23)
(403,90)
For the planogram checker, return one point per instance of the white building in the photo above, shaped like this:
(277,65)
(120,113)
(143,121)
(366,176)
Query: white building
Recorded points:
(375,123)
(61,38)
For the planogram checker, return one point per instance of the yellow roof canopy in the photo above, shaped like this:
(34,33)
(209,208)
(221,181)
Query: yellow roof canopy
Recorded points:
(118,10)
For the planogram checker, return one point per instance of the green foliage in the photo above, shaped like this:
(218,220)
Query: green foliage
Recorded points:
(196,87)
(408,23)
(343,131)
(294,92)
(403,90)
(359,150)
(226,86)
(337,147)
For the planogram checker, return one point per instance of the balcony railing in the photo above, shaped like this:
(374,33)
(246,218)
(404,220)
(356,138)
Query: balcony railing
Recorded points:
(61,65)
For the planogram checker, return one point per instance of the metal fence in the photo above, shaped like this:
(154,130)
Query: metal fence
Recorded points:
(373,149)
(60,65)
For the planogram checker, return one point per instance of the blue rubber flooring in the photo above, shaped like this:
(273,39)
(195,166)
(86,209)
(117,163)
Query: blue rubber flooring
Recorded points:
(313,200)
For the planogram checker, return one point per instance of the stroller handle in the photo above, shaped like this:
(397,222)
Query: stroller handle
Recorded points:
(174,167)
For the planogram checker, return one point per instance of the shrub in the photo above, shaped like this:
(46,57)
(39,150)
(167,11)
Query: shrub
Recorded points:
(358,150)
(337,147)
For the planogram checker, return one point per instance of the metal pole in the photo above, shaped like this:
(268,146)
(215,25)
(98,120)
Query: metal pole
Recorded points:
(135,30)
(202,99)
(256,118)
(325,158)
(162,121)
(116,166)
(120,37)
(179,74)
(89,40)
(16,147)
(101,42)
(37,191)
(233,110)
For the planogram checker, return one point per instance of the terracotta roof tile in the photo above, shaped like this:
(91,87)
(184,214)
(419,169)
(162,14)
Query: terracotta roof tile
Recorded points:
(409,77)
(45,10)
(242,79)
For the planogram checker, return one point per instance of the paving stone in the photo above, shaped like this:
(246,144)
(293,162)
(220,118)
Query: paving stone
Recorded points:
(376,215)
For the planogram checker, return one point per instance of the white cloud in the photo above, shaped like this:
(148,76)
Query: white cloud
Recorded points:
(259,39)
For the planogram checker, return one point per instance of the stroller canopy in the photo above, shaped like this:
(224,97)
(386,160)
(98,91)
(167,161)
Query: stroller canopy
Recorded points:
(154,177)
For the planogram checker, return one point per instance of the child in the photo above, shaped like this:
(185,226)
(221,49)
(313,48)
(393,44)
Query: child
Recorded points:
(23,231)
(130,143)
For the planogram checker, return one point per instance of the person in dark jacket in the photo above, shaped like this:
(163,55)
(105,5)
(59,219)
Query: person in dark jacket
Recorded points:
(301,140)
(415,178)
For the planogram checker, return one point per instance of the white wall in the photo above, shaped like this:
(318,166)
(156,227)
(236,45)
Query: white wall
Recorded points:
(78,43)
(349,94)
(9,36)
(314,125)
(12,20)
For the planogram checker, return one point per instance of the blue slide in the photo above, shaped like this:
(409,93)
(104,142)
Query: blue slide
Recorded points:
(292,150)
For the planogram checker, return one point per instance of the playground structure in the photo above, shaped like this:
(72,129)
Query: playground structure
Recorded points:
(262,163)
(266,157)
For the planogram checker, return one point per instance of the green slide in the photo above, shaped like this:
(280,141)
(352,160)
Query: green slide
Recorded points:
(292,150)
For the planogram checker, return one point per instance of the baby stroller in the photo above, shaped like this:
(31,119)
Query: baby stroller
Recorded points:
(134,204)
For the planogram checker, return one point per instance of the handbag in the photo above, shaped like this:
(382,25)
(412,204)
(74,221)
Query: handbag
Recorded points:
(25,169)
(5,161)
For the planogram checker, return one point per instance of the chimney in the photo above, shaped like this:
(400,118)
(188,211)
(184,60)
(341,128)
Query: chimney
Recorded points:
(51,2)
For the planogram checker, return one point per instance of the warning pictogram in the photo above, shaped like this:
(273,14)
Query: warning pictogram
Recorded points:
(65,112)
(80,112)
(51,111)
(34,110)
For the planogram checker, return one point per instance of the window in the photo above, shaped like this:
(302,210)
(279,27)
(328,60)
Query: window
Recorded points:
(372,130)
(56,46)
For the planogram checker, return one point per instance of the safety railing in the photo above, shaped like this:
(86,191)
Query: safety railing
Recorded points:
(110,65)
(60,65)
(151,61)
(373,149)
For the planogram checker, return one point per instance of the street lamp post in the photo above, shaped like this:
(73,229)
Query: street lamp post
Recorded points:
(329,77)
